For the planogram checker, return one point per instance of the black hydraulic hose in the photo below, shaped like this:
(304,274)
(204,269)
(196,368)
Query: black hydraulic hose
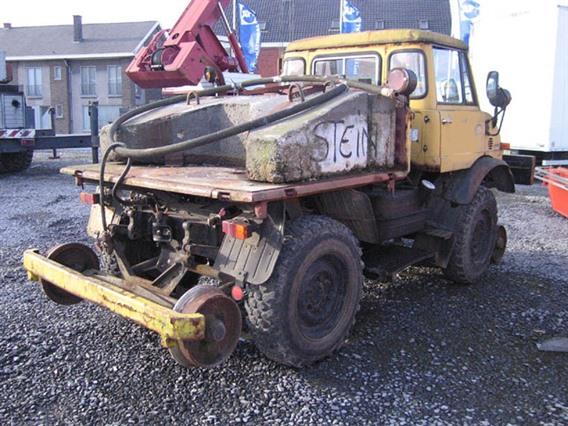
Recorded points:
(119,181)
(104,160)
(224,89)
(138,154)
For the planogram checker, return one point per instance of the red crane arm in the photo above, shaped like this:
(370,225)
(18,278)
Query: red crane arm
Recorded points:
(178,57)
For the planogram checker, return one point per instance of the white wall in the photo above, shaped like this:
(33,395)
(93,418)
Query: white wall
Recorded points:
(520,40)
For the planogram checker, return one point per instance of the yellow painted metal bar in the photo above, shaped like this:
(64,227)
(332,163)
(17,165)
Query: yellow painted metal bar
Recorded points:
(170,325)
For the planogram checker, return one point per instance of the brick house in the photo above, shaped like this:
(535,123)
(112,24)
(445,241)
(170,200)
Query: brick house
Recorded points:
(66,67)
(287,20)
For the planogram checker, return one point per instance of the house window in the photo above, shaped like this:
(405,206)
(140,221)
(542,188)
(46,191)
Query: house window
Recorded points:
(334,25)
(137,91)
(115,80)
(107,115)
(262,26)
(423,24)
(89,81)
(58,111)
(57,72)
(33,86)
(380,25)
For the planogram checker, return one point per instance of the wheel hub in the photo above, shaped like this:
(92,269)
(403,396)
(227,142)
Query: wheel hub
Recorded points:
(321,298)
(481,240)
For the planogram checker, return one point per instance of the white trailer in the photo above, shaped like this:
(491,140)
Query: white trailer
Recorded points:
(527,42)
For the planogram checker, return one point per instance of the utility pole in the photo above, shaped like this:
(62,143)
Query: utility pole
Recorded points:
(341,4)
(235,11)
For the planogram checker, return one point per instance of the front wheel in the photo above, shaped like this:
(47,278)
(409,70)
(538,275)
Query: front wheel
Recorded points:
(474,239)
(16,162)
(307,308)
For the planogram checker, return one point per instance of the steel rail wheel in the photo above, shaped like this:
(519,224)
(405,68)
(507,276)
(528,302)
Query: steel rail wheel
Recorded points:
(223,326)
(76,256)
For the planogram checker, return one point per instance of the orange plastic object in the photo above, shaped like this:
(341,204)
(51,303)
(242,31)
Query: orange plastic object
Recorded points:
(557,182)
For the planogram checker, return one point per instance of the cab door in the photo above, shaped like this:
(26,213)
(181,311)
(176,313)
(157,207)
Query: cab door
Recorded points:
(462,124)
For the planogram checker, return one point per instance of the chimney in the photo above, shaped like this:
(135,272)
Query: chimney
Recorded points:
(77,28)
(7,26)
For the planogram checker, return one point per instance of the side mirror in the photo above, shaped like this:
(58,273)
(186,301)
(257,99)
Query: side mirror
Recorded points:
(498,97)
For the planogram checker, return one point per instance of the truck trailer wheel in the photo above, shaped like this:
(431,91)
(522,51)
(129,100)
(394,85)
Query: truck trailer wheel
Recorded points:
(307,308)
(475,239)
(16,162)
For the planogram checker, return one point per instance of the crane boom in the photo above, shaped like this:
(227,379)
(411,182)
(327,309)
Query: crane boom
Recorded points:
(179,56)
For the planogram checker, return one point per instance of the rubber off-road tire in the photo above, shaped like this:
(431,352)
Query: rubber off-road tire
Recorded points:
(306,310)
(16,162)
(474,239)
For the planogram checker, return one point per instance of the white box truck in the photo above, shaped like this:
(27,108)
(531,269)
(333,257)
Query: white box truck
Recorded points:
(528,43)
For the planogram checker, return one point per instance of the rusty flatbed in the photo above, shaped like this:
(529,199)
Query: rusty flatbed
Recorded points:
(224,183)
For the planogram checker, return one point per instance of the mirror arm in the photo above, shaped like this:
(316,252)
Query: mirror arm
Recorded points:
(493,121)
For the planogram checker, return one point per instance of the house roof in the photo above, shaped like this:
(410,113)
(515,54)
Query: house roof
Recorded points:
(374,38)
(56,42)
(289,20)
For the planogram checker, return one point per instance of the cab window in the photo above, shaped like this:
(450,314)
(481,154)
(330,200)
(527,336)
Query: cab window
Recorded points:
(294,67)
(413,60)
(453,79)
(361,68)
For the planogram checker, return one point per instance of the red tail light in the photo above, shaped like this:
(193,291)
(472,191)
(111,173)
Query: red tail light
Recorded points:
(237,230)
(88,198)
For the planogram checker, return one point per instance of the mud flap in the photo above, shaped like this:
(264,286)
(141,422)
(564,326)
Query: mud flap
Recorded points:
(253,260)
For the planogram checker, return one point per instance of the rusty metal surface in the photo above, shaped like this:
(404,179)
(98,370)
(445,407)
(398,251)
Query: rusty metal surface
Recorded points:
(223,329)
(224,183)
(76,256)
(169,324)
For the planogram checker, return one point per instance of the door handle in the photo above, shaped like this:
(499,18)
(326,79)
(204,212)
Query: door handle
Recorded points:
(447,120)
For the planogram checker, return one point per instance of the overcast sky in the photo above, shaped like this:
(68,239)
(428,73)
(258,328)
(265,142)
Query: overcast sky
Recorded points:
(56,12)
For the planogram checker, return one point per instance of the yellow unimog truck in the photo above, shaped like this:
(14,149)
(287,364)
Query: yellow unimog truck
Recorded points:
(368,155)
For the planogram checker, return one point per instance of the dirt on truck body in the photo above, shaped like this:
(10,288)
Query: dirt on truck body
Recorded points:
(288,191)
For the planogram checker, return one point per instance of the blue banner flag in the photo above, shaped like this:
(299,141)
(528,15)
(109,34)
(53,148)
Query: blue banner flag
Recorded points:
(469,10)
(249,35)
(351,21)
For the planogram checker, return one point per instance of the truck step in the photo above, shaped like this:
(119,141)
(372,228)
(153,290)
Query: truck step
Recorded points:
(383,262)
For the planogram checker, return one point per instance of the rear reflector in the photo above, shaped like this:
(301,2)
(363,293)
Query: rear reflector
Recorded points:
(237,293)
(27,142)
(237,230)
(506,146)
(88,198)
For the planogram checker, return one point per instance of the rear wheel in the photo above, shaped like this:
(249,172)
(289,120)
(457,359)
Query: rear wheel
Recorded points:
(474,239)
(307,308)
(16,162)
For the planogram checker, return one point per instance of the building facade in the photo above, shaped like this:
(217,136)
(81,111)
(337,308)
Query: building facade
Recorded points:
(284,21)
(65,68)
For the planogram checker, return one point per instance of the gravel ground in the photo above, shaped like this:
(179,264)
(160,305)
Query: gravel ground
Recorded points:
(423,351)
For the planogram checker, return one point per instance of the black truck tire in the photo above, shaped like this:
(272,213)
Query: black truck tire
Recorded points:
(16,162)
(474,239)
(307,308)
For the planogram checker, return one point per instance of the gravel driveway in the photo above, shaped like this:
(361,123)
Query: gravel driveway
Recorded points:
(423,351)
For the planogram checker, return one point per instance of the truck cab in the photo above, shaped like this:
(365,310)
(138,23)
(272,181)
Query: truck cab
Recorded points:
(449,130)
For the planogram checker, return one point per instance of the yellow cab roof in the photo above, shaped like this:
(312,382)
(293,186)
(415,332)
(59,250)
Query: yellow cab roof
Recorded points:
(374,38)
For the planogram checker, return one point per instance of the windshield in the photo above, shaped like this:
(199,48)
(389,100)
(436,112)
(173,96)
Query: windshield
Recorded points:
(294,67)
(361,68)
